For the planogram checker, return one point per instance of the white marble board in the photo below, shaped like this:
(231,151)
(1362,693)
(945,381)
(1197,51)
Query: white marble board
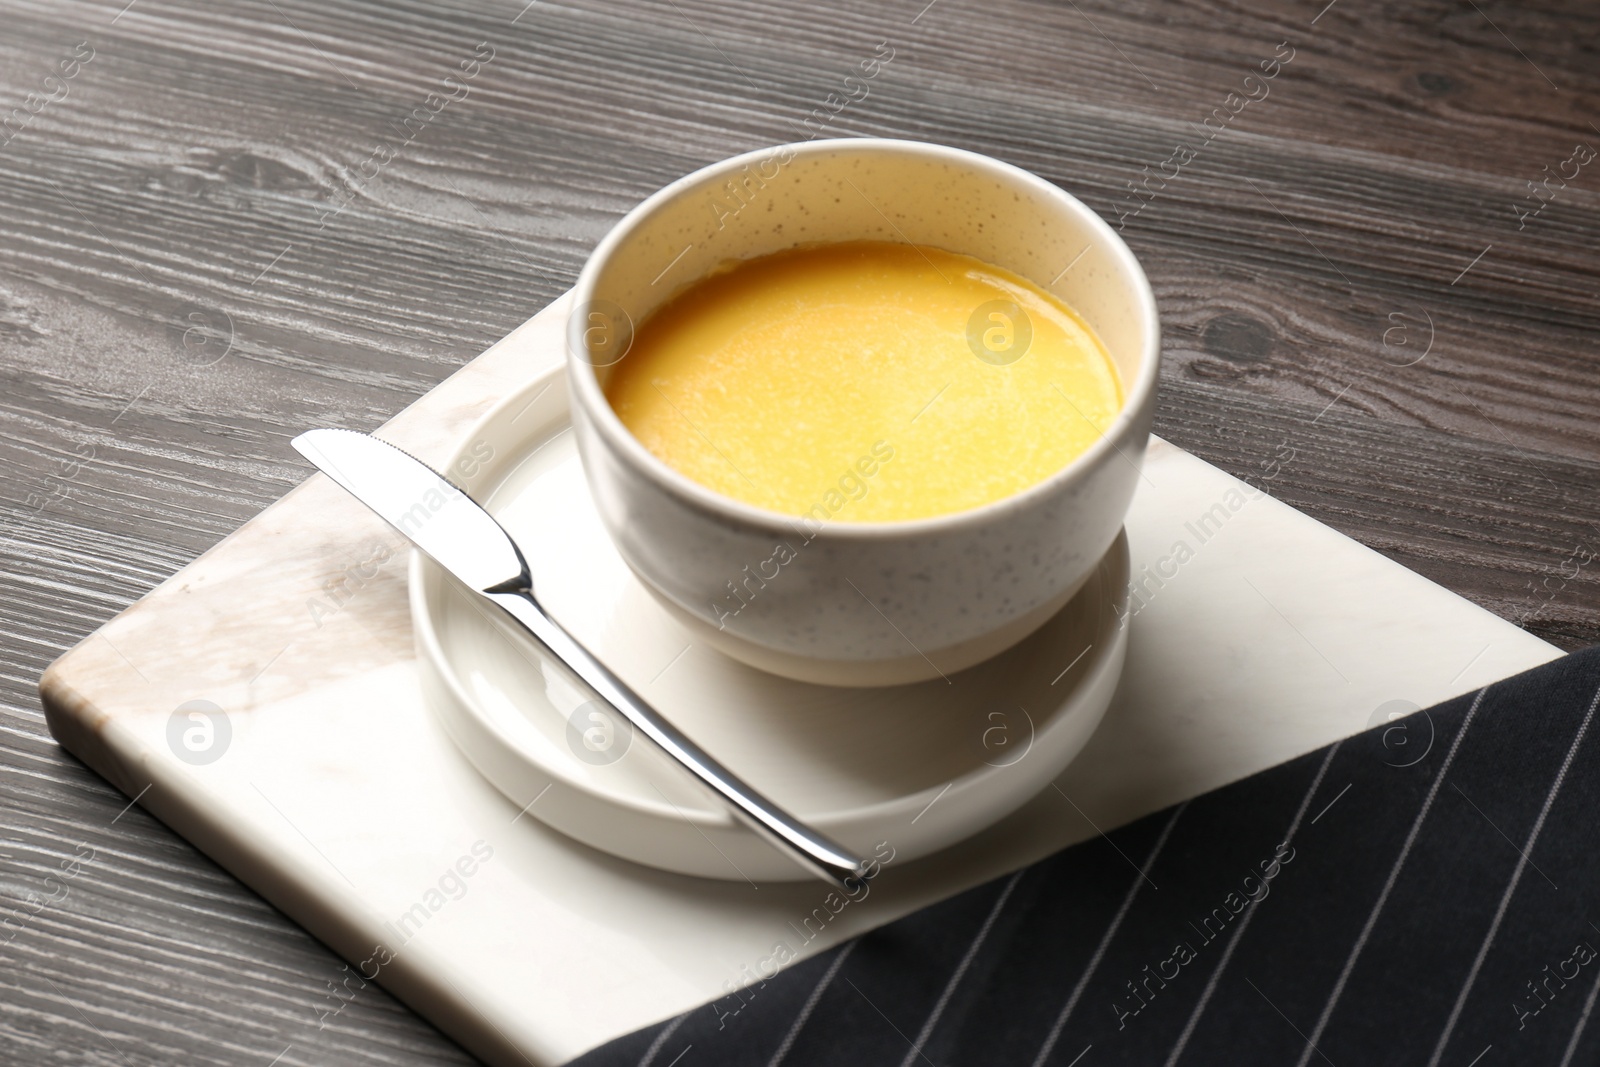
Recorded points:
(339,799)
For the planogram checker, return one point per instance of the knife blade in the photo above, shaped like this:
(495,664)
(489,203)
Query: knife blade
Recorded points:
(464,539)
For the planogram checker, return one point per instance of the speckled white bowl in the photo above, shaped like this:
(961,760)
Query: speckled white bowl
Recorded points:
(861,603)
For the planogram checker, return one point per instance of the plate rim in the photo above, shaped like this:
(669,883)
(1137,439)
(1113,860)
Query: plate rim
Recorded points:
(424,577)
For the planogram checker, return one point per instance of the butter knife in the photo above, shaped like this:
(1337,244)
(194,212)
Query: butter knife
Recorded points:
(466,540)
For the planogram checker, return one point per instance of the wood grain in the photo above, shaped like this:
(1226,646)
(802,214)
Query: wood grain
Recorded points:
(175,204)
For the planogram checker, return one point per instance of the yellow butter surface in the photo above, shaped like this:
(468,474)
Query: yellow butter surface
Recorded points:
(865,382)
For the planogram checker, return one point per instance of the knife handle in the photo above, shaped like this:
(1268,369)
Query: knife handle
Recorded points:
(812,850)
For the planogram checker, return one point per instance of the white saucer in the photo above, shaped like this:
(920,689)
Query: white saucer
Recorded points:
(918,767)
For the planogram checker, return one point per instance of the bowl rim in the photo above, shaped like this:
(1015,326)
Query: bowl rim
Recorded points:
(585,384)
(424,575)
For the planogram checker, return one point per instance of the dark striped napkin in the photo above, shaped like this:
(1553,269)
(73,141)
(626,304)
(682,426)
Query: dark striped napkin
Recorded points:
(1424,893)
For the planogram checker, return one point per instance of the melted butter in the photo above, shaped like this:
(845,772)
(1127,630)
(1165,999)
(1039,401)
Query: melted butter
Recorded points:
(865,382)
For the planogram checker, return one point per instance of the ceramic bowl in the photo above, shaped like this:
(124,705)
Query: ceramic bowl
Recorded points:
(860,603)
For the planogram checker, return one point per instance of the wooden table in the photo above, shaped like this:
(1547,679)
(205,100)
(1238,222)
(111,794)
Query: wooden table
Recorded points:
(224,222)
